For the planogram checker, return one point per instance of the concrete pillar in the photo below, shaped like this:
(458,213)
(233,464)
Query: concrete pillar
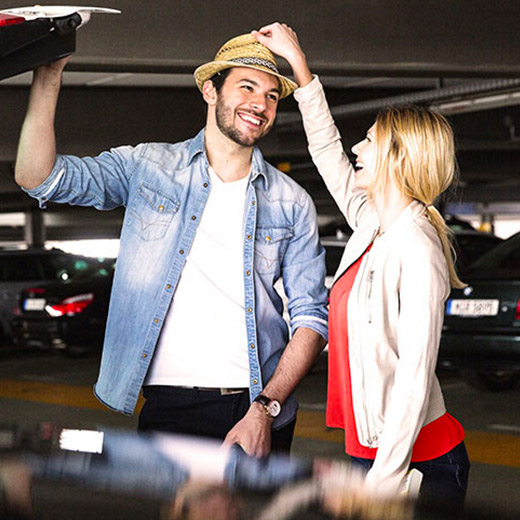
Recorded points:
(34,228)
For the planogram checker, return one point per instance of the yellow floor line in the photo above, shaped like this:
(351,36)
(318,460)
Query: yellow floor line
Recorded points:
(51,393)
(484,447)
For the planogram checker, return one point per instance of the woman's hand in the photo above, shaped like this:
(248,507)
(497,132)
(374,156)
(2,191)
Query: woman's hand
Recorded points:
(280,39)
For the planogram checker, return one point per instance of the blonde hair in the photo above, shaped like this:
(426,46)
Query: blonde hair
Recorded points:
(416,147)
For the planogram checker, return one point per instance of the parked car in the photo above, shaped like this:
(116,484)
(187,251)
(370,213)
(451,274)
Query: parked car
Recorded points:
(23,268)
(481,335)
(457,224)
(471,245)
(69,316)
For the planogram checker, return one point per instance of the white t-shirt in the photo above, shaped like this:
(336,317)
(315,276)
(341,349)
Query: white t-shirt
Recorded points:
(204,340)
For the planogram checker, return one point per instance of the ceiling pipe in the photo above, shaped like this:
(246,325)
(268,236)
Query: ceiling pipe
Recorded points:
(290,120)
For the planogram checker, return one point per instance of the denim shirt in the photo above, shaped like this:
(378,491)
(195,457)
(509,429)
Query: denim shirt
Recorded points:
(164,188)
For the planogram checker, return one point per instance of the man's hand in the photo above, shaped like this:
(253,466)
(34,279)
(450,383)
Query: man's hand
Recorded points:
(252,432)
(282,40)
(56,66)
(51,73)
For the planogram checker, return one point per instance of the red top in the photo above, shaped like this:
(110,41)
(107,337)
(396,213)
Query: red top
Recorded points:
(434,439)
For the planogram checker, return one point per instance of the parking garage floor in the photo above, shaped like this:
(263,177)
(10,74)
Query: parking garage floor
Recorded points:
(37,387)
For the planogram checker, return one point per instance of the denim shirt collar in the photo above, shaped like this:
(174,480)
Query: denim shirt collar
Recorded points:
(258,164)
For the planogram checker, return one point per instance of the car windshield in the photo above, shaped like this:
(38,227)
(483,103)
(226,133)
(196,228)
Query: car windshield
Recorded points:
(471,246)
(503,261)
(69,267)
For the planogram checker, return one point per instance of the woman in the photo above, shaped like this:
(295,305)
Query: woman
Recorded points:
(387,302)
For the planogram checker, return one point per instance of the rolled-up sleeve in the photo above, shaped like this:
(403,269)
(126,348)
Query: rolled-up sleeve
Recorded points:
(48,186)
(101,182)
(304,273)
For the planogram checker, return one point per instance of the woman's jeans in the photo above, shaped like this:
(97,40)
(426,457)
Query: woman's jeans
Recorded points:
(445,480)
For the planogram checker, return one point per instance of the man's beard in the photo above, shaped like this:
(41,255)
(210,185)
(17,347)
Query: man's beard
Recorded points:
(224,117)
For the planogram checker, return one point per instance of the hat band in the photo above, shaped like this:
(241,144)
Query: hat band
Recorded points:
(255,61)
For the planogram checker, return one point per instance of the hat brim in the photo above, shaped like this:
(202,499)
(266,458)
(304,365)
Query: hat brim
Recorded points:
(206,71)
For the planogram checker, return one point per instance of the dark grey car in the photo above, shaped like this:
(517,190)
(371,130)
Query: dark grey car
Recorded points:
(22,268)
(481,335)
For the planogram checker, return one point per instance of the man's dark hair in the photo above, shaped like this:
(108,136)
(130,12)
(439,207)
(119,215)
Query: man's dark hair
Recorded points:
(219,78)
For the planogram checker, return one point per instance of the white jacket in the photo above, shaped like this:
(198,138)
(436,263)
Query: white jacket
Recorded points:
(395,309)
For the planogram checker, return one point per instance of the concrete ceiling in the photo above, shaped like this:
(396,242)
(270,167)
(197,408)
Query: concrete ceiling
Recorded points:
(130,81)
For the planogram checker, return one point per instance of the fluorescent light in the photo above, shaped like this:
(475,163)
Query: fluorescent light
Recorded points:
(475,104)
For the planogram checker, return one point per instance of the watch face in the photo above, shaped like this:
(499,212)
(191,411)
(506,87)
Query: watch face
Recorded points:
(274,408)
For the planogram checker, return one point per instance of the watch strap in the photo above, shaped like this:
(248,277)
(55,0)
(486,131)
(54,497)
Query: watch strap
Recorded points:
(262,399)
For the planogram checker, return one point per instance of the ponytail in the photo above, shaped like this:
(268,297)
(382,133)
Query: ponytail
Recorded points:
(416,147)
(446,238)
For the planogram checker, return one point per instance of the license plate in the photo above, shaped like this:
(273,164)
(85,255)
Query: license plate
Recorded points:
(472,308)
(34,304)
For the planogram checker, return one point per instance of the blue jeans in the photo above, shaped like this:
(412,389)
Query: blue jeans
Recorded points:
(445,480)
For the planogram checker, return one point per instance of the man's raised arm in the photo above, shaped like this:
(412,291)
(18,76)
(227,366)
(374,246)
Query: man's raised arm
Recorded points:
(37,147)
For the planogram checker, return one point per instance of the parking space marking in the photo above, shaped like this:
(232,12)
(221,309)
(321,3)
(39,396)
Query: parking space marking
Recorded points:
(51,393)
(484,447)
(320,407)
(493,448)
(505,428)
(311,425)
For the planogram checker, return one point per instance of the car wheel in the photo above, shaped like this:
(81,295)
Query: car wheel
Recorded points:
(492,380)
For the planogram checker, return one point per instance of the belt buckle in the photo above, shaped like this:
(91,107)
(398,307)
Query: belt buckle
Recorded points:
(231,391)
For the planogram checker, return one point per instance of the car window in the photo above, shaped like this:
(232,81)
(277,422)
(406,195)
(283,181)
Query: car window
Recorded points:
(68,267)
(19,268)
(501,261)
(470,247)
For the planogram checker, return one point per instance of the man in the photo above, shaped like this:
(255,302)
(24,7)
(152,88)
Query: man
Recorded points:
(209,228)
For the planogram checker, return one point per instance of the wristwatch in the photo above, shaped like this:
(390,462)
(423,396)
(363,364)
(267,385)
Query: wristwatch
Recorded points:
(272,406)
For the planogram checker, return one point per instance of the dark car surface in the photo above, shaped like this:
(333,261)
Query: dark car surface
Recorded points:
(471,245)
(334,248)
(68,315)
(481,335)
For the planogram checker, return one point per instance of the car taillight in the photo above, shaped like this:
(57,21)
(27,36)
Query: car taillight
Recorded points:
(70,306)
(8,19)
(517,312)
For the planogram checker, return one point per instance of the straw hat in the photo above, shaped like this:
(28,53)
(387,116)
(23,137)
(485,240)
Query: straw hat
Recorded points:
(244,51)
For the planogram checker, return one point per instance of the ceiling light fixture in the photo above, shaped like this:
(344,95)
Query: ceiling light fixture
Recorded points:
(476,104)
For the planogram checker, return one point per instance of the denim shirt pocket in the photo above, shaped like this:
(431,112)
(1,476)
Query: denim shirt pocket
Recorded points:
(151,213)
(270,246)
